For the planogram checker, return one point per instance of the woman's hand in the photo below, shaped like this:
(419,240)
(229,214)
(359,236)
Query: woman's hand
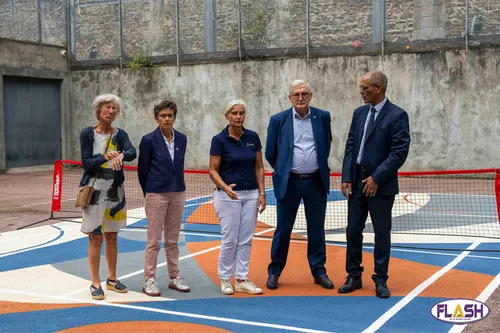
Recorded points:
(229,191)
(261,204)
(110,155)
(117,162)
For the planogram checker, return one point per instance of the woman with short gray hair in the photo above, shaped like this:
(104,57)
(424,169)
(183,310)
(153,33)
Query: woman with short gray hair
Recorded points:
(237,169)
(103,150)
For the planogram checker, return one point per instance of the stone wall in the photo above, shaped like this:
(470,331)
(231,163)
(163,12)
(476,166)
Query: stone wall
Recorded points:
(487,15)
(330,25)
(452,99)
(149,26)
(401,16)
(19,20)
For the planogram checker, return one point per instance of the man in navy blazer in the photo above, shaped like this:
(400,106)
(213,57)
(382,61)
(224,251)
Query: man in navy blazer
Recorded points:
(376,147)
(161,175)
(297,147)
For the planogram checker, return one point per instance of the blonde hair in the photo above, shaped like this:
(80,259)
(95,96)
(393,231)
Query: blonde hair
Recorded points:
(232,104)
(100,100)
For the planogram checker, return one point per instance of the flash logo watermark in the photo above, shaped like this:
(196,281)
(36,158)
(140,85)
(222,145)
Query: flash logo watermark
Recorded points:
(460,311)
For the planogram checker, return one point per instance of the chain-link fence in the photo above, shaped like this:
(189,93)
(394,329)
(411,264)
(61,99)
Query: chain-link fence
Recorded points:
(113,29)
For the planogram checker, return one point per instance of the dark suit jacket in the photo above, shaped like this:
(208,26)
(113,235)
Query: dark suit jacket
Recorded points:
(279,146)
(157,173)
(386,147)
(92,163)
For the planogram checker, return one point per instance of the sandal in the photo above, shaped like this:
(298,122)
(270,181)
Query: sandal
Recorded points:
(97,293)
(116,286)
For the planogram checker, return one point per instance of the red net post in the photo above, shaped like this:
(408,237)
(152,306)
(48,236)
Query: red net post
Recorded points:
(57,187)
(497,191)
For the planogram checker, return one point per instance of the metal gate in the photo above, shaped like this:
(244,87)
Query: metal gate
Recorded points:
(32,121)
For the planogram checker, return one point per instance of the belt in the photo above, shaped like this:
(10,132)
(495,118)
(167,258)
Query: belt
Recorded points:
(304,175)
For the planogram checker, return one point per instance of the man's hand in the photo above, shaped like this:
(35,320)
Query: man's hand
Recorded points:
(346,189)
(370,188)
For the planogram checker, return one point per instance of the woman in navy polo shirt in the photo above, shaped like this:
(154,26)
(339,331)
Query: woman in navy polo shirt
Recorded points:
(237,168)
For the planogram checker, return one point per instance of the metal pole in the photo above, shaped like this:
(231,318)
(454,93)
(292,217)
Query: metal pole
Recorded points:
(68,36)
(384,27)
(72,30)
(177,35)
(466,26)
(120,21)
(39,19)
(239,29)
(308,4)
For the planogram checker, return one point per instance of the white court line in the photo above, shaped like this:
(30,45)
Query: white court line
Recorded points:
(26,236)
(158,266)
(168,312)
(182,232)
(462,195)
(34,247)
(423,252)
(377,324)
(430,212)
(338,245)
(199,204)
(483,297)
(35,204)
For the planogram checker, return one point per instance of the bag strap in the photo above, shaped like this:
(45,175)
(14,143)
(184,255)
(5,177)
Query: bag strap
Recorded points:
(105,151)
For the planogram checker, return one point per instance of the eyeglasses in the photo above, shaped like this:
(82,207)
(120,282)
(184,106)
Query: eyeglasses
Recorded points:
(166,115)
(304,95)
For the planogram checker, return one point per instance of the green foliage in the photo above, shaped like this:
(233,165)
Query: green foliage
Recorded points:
(141,61)
(258,25)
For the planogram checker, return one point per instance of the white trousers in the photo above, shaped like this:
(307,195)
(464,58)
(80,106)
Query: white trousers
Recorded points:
(238,219)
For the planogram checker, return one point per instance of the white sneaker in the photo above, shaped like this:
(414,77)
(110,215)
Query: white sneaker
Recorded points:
(247,286)
(179,284)
(225,287)
(151,287)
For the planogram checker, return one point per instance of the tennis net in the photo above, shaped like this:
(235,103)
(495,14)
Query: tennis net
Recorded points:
(451,202)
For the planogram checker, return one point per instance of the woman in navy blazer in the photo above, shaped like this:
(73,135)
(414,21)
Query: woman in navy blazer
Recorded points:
(161,175)
(103,150)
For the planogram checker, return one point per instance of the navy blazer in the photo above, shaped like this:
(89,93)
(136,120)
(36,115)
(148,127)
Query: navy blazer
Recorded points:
(279,146)
(91,163)
(386,147)
(157,173)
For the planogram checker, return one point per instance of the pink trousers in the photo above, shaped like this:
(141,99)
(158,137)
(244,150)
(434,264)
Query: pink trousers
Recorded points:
(164,214)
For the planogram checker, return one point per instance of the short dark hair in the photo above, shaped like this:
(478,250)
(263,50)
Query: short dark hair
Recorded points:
(165,104)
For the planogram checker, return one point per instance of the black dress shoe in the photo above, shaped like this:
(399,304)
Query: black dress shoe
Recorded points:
(324,281)
(382,290)
(352,283)
(272,282)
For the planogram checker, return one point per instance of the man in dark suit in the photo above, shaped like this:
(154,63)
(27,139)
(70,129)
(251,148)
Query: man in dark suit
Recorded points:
(161,175)
(297,147)
(376,147)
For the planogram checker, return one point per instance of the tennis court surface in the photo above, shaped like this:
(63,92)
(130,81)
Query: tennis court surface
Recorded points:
(446,244)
